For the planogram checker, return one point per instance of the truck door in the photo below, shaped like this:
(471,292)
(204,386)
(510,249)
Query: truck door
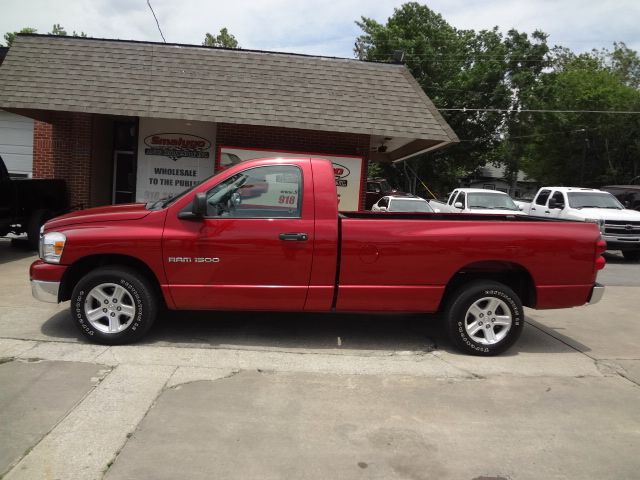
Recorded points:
(253,249)
(539,205)
(558,200)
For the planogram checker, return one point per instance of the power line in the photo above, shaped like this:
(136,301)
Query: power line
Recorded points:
(614,112)
(157,23)
(535,135)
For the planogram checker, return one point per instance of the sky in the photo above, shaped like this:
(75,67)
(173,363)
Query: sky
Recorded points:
(321,27)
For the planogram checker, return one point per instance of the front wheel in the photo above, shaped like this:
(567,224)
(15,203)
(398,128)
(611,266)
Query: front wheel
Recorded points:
(484,318)
(114,305)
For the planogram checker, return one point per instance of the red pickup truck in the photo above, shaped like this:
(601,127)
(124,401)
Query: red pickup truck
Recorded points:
(266,235)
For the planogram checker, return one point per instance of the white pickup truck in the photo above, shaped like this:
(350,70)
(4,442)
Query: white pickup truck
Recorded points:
(478,200)
(620,227)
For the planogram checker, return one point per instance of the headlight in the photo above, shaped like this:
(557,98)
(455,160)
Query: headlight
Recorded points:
(597,221)
(51,246)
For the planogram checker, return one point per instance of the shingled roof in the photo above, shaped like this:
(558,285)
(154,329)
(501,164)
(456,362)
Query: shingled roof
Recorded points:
(220,85)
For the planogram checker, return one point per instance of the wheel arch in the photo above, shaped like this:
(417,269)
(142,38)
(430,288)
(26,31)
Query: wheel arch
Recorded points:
(511,274)
(81,267)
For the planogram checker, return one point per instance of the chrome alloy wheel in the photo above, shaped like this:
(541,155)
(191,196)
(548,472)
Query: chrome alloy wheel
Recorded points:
(109,308)
(488,320)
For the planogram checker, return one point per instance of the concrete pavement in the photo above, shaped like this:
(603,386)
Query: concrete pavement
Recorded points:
(230,395)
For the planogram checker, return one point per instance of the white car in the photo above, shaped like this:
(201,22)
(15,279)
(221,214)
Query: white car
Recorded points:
(620,226)
(478,200)
(396,203)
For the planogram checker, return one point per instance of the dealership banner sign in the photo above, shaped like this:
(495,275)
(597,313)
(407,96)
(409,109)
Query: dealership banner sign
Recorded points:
(347,170)
(173,155)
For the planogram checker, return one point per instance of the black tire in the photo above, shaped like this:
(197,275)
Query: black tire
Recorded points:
(631,255)
(139,293)
(36,220)
(459,319)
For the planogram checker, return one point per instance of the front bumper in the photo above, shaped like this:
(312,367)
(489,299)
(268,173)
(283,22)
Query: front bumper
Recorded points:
(45,291)
(596,294)
(621,243)
(45,280)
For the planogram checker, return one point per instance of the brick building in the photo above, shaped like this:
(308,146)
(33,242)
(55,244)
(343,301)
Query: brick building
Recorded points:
(128,121)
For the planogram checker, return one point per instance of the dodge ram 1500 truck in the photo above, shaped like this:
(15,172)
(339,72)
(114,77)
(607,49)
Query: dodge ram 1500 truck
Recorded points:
(284,247)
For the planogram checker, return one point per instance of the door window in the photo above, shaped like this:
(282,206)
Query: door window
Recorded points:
(559,199)
(542,197)
(462,197)
(262,192)
(453,195)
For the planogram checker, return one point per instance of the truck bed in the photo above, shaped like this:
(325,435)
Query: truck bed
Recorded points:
(390,260)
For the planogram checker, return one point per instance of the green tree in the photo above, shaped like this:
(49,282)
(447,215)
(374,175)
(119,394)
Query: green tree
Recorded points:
(57,29)
(223,39)
(586,148)
(10,37)
(485,70)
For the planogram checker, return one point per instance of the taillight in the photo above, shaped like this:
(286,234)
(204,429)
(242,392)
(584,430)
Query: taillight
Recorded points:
(601,247)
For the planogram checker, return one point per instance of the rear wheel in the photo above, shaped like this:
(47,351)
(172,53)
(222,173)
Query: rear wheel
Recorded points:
(114,305)
(484,318)
(631,255)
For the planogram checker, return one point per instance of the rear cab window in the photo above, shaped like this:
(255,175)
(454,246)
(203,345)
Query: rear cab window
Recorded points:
(542,197)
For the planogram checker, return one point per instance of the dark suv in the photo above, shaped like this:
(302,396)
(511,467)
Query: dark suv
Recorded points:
(378,188)
(629,195)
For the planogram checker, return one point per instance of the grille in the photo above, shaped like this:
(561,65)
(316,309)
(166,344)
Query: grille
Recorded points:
(621,227)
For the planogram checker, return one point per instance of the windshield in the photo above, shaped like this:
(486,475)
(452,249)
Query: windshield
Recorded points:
(593,200)
(401,205)
(385,187)
(491,201)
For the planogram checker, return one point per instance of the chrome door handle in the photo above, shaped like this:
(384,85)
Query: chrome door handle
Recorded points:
(294,237)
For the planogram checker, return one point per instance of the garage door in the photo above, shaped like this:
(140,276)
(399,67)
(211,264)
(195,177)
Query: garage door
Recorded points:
(16,143)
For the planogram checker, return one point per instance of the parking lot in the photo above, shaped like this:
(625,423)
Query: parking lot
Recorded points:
(263,395)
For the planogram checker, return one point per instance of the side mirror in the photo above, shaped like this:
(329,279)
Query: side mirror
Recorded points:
(555,204)
(458,205)
(198,208)
(383,209)
(235,199)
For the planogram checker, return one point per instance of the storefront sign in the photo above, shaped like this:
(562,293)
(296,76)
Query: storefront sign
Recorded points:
(173,155)
(177,145)
(347,170)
